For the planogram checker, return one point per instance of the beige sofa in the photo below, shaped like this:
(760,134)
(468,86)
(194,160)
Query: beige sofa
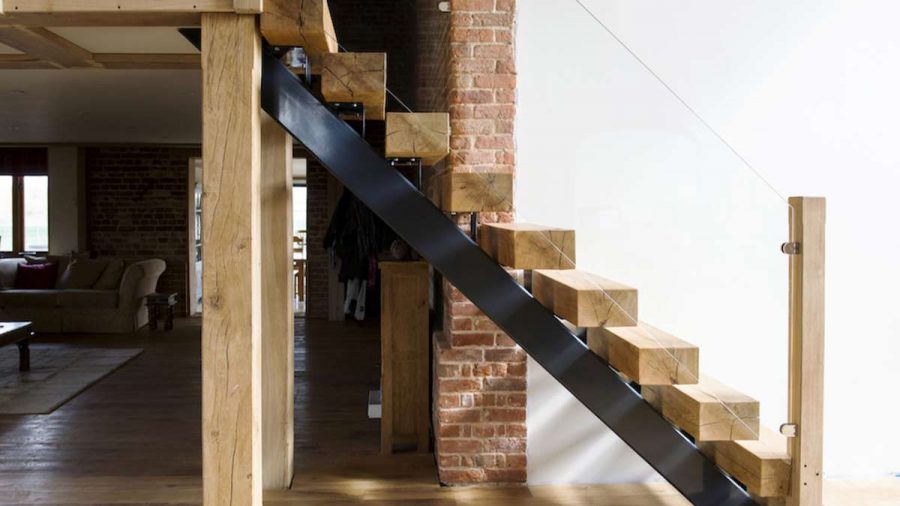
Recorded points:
(81,311)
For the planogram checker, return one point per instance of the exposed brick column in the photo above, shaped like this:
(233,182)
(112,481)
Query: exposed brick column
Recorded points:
(480,374)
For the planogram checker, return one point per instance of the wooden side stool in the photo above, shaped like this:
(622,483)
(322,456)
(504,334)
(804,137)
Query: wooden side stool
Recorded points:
(158,302)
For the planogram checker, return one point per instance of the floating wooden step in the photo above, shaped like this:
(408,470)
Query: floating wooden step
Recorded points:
(708,411)
(527,246)
(469,192)
(647,355)
(305,23)
(424,135)
(356,77)
(763,466)
(585,299)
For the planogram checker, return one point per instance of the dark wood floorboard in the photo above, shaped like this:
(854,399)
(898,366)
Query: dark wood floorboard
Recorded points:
(134,437)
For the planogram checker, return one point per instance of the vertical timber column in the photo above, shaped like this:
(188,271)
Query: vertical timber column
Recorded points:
(807,350)
(277,306)
(232,302)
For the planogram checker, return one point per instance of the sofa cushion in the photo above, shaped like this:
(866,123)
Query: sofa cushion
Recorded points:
(111,276)
(8,269)
(29,298)
(36,276)
(88,299)
(81,274)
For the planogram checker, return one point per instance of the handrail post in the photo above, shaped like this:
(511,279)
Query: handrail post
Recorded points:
(807,347)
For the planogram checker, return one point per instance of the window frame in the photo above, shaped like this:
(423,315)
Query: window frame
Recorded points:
(18,218)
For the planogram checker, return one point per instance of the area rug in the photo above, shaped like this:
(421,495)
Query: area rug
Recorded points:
(58,374)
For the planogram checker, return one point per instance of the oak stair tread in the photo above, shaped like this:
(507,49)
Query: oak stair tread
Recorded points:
(708,411)
(424,135)
(474,192)
(647,355)
(356,77)
(528,246)
(585,299)
(763,465)
(307,24)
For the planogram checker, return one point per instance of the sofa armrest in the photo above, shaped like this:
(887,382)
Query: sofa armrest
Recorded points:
(138,281)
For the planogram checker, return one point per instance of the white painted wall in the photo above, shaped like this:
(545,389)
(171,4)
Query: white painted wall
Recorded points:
(67,213)
(807,91)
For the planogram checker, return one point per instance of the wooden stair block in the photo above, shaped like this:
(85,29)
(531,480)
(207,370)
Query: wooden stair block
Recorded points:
(647,355)
(305,23)
(527,246)
(424,135)
(356,77)
(585,299)
(469,192)
(708,411)
(763,466)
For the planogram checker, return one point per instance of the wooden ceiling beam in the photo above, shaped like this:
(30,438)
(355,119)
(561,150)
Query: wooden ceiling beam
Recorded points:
(148,61)
(111,61)
(132,19)
(23,61)
(45,45)
(112,6)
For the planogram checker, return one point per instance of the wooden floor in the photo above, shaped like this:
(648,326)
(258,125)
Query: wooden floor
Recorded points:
(134,438)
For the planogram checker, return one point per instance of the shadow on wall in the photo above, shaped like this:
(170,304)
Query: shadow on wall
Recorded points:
(586,452)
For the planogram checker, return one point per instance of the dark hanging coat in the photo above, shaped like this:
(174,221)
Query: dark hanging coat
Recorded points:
(357,236)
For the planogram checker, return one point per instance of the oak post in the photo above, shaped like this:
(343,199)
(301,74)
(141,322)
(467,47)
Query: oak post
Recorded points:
(277,306)
(807,349)
(232,302)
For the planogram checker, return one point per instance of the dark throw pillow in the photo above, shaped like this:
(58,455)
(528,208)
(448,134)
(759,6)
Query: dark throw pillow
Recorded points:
(111,276)
(81,274)
(36,276)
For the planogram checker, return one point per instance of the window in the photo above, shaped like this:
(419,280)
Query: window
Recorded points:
(24,216)
(35,215)
(6,213)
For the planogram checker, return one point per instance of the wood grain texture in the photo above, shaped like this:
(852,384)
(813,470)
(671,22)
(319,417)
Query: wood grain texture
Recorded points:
(646,354)
(232,285)
(807,349)
(134,438)
(470,192)
(119,61)
(356,77)
(404,356)
(528,246)
(115,6)
(147,61)
(708,411)
(45,45)
(175,19)
(24,61)
(424,135)
(763,466)
(277,305)
(248,6)
(305,23)
(585,299)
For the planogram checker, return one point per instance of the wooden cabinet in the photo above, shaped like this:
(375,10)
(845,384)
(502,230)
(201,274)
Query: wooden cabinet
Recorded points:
(404,356)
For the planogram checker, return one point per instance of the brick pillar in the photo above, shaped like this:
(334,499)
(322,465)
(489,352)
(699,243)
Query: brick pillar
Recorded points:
(480,374)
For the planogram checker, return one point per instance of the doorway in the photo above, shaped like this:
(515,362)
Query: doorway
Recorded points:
(195,246)
(301,237)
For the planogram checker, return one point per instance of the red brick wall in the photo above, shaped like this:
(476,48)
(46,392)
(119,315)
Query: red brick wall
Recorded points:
(316,226)
(480,374)
(137,207)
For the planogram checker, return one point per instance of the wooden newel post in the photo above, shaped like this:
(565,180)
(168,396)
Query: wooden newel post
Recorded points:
(807,348)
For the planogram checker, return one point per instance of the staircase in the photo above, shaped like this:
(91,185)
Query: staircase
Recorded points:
(643,383)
